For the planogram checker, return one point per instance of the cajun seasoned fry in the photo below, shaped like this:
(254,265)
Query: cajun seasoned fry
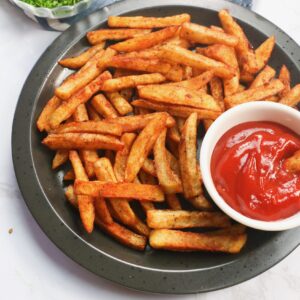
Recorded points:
(103,107)
(80,114)
(285,78)
(263,77)
(292,98)
(93,114)
(120,103)
(264,51)
(149,167)
(61,156)
(173,134)
(292,164)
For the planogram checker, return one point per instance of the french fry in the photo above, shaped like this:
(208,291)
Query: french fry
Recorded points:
(138,122)
(264,51)
(204,35)
(101,35)
(200,202)
(147,22)
(173,202)
(173,134)
(190,175)
(179,55)
(178,219)
(61,157)
(89,157)
(255,94)
(120,103)
(77,165)
(187,72)
(292,98)
(103,107)
(147,178)
(102,211)
(168,180)
(175,73)
(43,120)
(245,52)
(145,192)
(176,110)
(149,167)
(90,127)
(127,94)
(85,75)
(176,240)
(80,114)
(80,60)
(233,229)
(67,108)
(217,28)
(180,123)
(117,84)
(70,195)
(263,77)
(87,141)
(93,114)
(285,78)
(216,90)
(69,175)
(142,145)
(179,96)
(177,41)
(292,164)
(246,77)
(146,40)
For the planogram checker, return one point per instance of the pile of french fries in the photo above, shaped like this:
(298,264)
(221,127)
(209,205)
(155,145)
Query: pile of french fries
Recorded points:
(127,121)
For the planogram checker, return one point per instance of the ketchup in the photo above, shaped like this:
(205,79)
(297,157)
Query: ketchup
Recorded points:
(248,170)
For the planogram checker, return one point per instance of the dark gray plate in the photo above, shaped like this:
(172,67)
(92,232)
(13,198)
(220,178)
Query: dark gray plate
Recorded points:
(154,271)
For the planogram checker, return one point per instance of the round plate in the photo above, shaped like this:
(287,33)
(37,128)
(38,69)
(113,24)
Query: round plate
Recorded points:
(154,271)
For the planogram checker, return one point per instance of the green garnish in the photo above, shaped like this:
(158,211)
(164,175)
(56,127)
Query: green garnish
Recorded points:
(51,3)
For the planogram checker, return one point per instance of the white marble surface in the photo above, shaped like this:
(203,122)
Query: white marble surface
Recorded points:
(31,267)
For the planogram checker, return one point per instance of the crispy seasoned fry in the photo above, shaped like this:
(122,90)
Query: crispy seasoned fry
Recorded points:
(177,110)
(179,55)
(233,229)
(292,164)
(119,102)
(145,192)
(142,145)
(178,95)
(125,72)
(147,178)
(216,90)
(70,195)
(149,167)
(200,202)
(147,22)
(180,123)
(217,28)
(177,219)
(285,77)
(168,180)
(173,201)
(69,175)
(145,41)
(265,76)
(269,89)
(80,60)
(61,156)
(77,166)
(98,36)
(87,141)
(246,77)
(93,114)
(187,72)
(173,134)
(176,240)
(204,35)
(190,175)
(292,98)
(80,114)
(102,210)
(89,157)
(117,84)
(134,123)
(264,51)
(43,120)
(103,107)
(90,127)
(67,108)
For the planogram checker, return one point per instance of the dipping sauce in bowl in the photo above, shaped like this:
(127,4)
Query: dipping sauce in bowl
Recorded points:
(247,168)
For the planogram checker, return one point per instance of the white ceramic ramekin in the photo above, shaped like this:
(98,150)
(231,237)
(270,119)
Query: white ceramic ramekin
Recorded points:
(248,112)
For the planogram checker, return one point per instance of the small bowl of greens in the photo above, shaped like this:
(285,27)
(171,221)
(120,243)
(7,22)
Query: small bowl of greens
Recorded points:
(52,9)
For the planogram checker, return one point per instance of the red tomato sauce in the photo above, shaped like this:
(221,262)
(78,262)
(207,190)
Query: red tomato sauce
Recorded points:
(248,170)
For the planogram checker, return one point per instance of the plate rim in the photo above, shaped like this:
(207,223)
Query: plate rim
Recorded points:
(33,194)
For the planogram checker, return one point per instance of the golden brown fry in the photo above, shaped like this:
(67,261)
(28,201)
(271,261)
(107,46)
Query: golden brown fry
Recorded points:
(145,192)
(93,114)
(292,98)
(177,54)
(255,94)
(264,51)
(147,22)
(187,72)
(87,141)
(216,90)
(102,210)
(145,41)
(149,167)
(69,175)
(142,145)
(103,107)
(137,122)
(190,175)
(178,95)
(89,157)
(67,108)
(180,123)
(173,201)
(204,35)
(117,84)
(292,164)
(90,127)
(176,110)
(233,229)
(98,36)
(263,77)
(43,120)
(120,103)
(168,180)
(173,134)
(200,202)
(217,28)
(80,114)
(77,166)
(285,77)
(177,219)
(80,60)
(176,240)
(61,156)
(70,195)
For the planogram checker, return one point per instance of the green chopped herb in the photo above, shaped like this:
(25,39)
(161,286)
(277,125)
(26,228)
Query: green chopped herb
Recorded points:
(51,3)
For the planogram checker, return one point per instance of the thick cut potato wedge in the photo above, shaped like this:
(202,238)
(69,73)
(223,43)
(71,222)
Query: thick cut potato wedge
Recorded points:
(263,77)
(292,98)
(285,78)
(264,51)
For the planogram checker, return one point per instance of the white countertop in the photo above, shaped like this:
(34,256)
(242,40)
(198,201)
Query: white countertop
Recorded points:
(31,267)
